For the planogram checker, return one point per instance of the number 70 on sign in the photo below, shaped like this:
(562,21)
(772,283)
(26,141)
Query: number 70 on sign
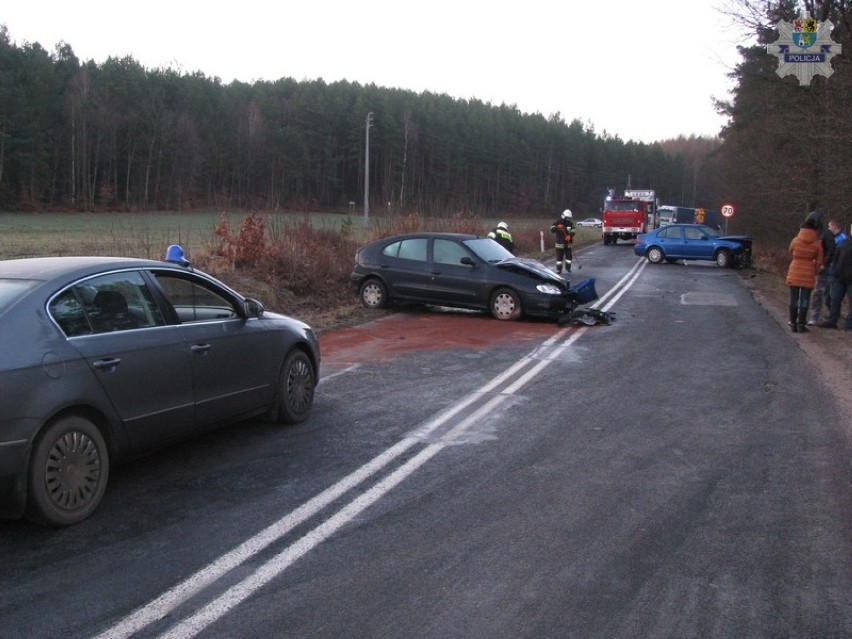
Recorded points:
(728,210)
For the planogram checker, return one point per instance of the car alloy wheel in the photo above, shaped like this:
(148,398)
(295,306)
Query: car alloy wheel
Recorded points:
(296,388)
(655,255)
(723,258)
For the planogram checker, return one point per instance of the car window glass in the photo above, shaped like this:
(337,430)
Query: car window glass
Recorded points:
(413,249)
(391,250)
(692,233)
(670,233)
(488,250)
(107,303)
(194,302)
(448,252)
(11,290)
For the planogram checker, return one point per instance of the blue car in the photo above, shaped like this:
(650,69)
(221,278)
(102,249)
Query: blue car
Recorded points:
(694,242)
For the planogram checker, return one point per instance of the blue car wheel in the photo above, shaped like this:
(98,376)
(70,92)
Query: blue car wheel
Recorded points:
(655,255)
(723,258)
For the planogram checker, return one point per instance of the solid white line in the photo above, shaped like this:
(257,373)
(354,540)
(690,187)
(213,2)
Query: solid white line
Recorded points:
(164,604)
(235,595)
(620,286)
(169,600)
(636,271)
(238,593)
(172,598)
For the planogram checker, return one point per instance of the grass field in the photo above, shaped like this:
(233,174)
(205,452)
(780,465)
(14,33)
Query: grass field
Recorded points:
(148,234)
(126,234)
(137,235)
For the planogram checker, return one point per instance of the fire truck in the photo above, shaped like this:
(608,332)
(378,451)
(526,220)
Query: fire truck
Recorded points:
(625,217)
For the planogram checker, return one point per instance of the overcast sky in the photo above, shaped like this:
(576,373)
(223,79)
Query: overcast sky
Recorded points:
(641,70)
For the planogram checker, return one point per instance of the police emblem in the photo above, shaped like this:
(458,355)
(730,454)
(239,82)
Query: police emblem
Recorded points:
(804,48)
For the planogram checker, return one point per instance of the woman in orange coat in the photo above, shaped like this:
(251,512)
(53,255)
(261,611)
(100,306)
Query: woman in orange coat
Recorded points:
(807,255)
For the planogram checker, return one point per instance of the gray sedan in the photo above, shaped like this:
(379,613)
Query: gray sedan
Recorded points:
(106,358)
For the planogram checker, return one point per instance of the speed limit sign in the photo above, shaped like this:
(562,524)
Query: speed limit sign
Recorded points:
(728,210)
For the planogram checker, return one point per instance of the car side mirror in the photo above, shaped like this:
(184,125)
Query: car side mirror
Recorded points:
(468,261)
(253,308)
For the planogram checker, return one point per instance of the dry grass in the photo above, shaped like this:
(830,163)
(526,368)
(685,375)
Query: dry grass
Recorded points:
(294,263)
(301,270)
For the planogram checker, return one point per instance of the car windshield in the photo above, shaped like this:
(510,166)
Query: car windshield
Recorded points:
(488,250)
(614,205)
(11,290)
(709,231)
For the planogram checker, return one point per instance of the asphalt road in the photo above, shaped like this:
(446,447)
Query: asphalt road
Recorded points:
(679,473)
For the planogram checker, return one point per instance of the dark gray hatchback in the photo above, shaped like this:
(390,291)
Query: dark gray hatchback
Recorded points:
(106,358)
(458,270)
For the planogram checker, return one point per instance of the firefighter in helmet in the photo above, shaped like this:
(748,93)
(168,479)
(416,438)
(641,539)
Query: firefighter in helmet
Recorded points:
(563,235)
(502,236)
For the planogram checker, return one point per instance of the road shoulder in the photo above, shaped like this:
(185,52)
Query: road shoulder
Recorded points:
(829,351)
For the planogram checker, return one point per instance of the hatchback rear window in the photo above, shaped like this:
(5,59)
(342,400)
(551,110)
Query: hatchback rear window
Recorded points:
(12,290)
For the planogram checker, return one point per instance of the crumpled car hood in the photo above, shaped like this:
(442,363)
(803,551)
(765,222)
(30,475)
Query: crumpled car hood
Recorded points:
(534,267)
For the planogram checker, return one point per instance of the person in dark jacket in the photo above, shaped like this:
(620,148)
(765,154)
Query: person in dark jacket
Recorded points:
(841,285)
(806,255)
(836,229)
(820,287)
(502,236)
(563,236)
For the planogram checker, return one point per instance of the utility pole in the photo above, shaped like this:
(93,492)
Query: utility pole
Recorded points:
(367,166)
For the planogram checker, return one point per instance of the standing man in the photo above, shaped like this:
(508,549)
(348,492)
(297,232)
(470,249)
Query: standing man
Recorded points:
(563,235)
(840,279)
(839,236)
(502,236)
(821,282)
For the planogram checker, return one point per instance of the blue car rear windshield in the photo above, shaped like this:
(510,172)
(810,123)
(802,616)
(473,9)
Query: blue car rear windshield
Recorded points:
(12,290)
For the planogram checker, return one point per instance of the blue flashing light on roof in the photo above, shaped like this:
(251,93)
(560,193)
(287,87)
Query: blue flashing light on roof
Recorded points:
(174,253)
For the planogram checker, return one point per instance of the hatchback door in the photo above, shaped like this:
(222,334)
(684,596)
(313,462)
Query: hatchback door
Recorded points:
(451,281)
(403,265)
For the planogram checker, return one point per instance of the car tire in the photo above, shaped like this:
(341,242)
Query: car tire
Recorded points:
(296,385)
(373,294)
(506,305)
(655,255)
(723,258)
(68,472)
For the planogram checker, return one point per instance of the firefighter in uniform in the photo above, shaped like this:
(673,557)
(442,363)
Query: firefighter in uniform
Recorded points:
(563,234)
(502,236)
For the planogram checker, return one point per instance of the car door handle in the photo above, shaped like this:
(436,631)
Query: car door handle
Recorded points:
(103,364)
(199,348)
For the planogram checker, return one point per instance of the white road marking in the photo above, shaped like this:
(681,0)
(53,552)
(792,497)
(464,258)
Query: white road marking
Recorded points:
(166,603)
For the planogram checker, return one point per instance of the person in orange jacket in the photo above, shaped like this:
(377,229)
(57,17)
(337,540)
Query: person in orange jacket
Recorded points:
(807,257)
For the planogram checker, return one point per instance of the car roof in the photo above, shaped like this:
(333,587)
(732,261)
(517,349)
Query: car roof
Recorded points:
(431,234)
(49,268)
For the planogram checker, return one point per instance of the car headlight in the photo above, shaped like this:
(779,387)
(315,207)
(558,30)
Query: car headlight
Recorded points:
(550,289)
